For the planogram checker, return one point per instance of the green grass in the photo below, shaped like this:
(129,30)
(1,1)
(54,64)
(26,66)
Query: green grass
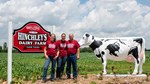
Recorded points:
(29,66)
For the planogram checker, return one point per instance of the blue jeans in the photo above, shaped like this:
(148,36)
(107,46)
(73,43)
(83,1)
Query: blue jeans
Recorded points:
(47,62)
(71,60)
(61,61)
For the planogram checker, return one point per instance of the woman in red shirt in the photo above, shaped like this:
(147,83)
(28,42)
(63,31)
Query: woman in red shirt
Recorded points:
(62,49)
(50,52)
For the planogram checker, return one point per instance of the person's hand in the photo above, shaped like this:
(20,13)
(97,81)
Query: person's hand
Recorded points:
(55,57)
(46,57)
(78,57)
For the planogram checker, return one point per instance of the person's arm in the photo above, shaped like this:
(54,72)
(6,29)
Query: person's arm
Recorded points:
(45,53)
(57,48)
(57,54)
(78,53)
(78,50)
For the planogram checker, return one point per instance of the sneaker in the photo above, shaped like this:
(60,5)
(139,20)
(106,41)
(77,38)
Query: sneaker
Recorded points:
(74,78)
(52,80)
(56,78)
(43,81)
(68,77)
(60,78)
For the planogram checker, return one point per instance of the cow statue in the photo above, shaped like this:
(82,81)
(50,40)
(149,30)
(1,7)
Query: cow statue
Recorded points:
(117,49)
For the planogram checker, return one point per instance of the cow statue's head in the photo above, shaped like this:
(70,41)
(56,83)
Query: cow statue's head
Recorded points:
(87,39)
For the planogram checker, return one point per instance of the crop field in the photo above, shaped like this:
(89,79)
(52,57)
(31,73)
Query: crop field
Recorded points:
(29,66)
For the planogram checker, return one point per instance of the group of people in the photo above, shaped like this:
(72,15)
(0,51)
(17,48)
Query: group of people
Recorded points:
(61,52)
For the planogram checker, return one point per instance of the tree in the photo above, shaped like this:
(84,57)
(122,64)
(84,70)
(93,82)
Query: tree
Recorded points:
(86,49)
(0,48)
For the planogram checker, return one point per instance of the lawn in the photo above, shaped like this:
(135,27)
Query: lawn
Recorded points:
(29,66)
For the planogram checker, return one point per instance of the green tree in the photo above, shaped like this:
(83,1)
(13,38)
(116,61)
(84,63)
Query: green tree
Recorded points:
(0,48)
(86,49)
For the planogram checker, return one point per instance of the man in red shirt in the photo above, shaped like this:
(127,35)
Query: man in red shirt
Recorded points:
(73,50)
(62,49)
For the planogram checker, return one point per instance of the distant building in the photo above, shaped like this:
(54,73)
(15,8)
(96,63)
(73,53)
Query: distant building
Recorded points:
(5,46)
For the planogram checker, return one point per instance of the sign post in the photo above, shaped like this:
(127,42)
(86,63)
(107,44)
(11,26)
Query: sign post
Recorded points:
(9,66)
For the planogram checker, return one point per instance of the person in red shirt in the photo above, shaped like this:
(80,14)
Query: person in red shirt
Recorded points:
(50,53)
(62,49)
(73,51)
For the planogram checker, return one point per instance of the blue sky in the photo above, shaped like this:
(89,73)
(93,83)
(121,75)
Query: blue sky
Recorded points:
(101,18)
(144,2)
(83,1)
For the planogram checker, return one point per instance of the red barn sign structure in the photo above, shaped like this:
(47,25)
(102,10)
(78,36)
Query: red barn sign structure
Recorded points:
(31,37)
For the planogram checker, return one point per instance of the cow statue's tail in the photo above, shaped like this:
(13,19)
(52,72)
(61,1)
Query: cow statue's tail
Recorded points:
(142,54)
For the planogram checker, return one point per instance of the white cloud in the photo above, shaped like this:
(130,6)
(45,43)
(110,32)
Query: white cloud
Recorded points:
(147,20)
(123,25)
(102,18)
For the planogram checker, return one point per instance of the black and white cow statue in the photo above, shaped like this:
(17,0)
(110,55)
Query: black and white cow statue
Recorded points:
(117,49)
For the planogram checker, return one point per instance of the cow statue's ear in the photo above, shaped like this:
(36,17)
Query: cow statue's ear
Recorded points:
(87,35)
(92,37)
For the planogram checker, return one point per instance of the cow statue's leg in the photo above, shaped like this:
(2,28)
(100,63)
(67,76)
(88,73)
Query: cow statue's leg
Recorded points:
(140,67)
(104,64)
(103,59)
(136,66)
(134,52)
(142,60)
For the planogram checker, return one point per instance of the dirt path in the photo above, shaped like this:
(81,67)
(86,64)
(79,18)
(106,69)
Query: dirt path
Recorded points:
(93,79)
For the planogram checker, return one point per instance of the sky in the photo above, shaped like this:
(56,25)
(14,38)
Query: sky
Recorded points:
(101,18)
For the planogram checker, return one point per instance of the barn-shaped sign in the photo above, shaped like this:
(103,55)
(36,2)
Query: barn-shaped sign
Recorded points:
(31,37)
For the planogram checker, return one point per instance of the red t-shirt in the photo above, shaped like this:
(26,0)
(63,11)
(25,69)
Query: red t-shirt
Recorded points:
(51,48)
(62,46)
(72,47)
